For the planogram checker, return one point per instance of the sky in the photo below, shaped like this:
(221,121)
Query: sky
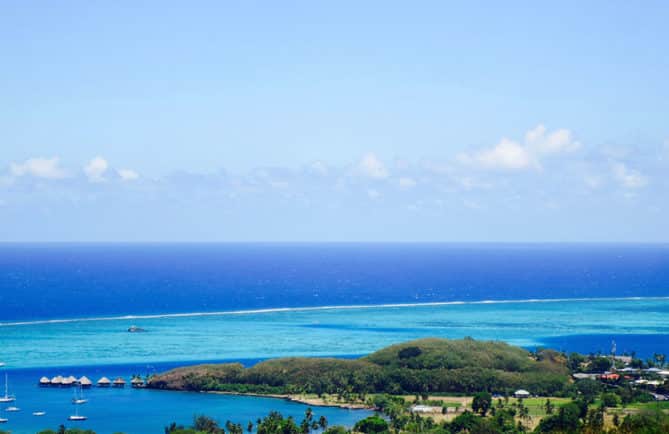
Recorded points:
(334,121)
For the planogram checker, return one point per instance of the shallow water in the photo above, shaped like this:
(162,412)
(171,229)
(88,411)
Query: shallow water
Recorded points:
(139,411)
(335,331)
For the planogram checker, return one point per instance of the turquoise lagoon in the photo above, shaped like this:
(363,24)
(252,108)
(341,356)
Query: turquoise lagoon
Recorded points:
(332,331)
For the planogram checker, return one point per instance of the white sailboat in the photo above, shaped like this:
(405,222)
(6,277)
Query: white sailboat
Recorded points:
(39,413)
(3,420)
(12,409)
(7,397)
(79,398)
(76,416)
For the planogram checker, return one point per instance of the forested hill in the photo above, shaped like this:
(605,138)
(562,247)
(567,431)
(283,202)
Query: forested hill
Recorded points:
(421,366)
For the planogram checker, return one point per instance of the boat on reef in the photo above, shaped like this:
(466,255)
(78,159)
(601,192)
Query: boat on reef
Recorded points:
(39,413)
(7,397)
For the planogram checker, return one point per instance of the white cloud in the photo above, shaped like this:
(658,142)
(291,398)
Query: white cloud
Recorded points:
(95,169)
(628,178)
(538,141)
(48,168)
(506,155)
(127,174)
(372,167)
(512,155)
(407,183)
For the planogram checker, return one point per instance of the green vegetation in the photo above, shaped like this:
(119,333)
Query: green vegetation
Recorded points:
(418,367)
(274,423)
(63,430)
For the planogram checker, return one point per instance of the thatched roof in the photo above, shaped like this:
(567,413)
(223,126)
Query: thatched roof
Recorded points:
(57,380)
(44,380)
(104,380)
(137,381)
(84,381)
(67,381)
(119,380)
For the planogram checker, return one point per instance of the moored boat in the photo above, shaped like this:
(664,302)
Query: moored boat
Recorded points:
(7,397)
(76,416)
(79,397)
(39,413)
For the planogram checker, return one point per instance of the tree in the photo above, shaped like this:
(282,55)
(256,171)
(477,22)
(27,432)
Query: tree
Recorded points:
(206,424)
(249,427)
(323,422)
(549,407)
(482,402)
(371,424)
(336,430)
(610,400)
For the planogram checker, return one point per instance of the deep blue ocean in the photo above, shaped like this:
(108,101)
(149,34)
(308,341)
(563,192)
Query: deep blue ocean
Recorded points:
(40,281)
(65,310)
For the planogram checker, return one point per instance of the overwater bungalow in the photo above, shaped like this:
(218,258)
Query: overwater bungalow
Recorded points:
(85,382)
(44,381)
(104,382)
(57,380)
(137,382)
(68,381)
(119,382)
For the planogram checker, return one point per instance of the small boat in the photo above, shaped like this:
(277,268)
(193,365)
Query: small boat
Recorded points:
(79,397)
(7,397)
(135,329)
(12,409)
(3,420)
(76,417)
(2,365)
(39,413)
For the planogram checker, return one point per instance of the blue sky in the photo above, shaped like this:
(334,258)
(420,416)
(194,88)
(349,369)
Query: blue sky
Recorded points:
(379,121)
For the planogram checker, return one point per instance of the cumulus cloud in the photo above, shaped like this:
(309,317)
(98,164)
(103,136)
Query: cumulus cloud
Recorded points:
(539,141)
(512,155)
(48,168)
(95,169)
(127,174)
(371,167)
(506,155)
(628,178)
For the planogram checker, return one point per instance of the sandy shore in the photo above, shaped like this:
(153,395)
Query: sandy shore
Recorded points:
(313,401)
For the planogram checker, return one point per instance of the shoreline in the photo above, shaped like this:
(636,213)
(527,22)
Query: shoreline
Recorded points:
(313,402)
(327,308)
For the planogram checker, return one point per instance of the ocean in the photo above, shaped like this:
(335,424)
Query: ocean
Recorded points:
(65,309)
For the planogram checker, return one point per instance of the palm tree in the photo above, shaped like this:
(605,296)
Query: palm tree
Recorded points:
(323,422)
